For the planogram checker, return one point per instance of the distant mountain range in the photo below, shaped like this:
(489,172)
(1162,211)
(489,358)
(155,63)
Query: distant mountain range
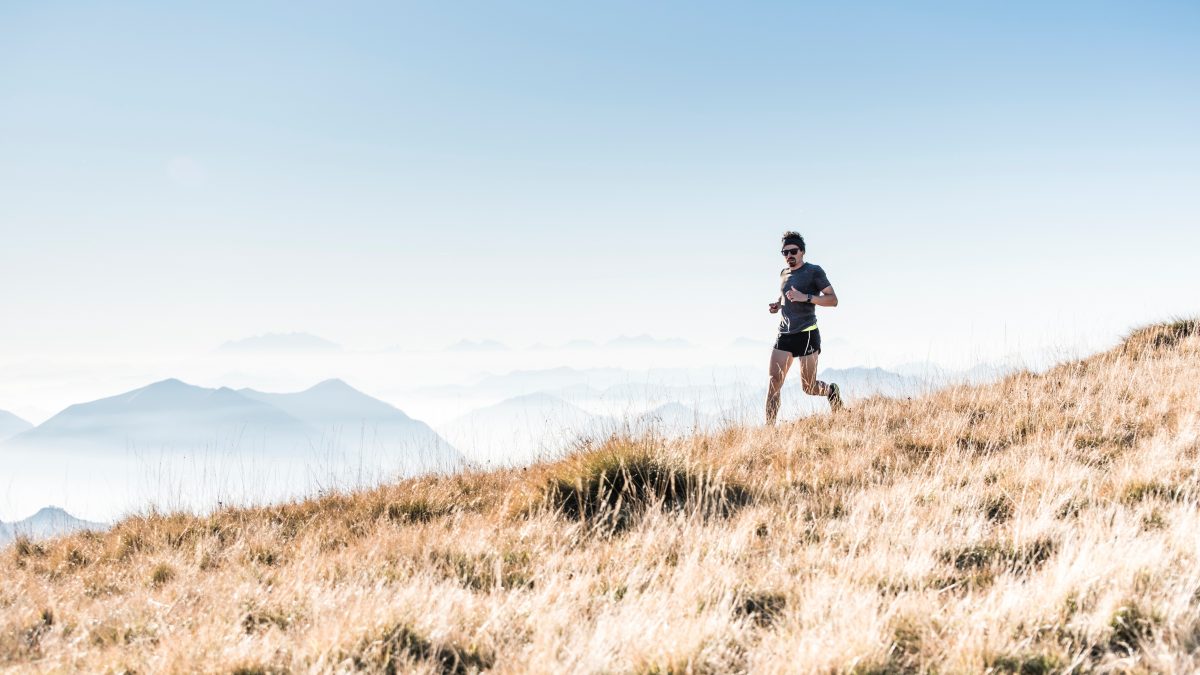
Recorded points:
(520,382)
(11,425)
(477,346)
(524,428)
(520,429)
(681,385)
(622,342)
(178,417)
(750,343)
(334,407)
(673,419)
(530,413)
(861,382)
(281,342)
(647,342)
(50,521)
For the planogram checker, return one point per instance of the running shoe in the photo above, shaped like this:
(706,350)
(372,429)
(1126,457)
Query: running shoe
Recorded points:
(835,397)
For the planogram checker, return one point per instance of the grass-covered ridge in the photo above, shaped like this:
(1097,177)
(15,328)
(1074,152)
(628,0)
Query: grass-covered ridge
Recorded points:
(1044,523)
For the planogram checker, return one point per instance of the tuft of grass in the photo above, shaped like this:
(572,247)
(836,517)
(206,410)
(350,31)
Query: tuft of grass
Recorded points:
(24,548)
(1131,626)
(25,642)
(413,510)
(111,632)
(258,618)
(1145,341)
(127,541)
(1008,557)
(481,572)
(1121,439)
(161,575)
(998,508)
(1071,508)
(761,607)
(1155,520)
(99,586)
(257,669)
(611,488)
(1042,663)
(263,555)
(1139,491)
(678,666)
(904,653)
(390,650)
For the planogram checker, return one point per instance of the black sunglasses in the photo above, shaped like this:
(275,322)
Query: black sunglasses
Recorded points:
(790,251)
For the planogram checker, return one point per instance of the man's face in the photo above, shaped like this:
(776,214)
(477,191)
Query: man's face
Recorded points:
(793,255)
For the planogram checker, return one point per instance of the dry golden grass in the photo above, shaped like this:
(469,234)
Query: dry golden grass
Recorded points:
(1044,523)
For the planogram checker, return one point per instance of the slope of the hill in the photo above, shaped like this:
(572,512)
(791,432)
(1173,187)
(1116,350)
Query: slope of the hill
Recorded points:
(1041,524)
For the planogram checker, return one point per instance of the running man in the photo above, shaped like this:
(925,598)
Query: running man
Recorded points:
(802,286)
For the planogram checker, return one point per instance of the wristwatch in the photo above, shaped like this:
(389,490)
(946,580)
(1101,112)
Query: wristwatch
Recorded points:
(810,297)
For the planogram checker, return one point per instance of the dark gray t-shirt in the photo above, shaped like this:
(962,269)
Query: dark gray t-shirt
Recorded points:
(796,316)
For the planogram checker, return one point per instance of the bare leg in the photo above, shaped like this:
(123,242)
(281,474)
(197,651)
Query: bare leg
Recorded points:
(781,362)
(808,376)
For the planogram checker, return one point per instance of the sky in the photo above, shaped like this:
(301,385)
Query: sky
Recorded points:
(977,179)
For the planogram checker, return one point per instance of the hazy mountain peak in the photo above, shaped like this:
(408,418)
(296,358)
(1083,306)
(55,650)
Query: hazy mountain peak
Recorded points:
(167,389)
(167,413)
(173,415)
(169,384)
(281,342)
(49,521)
(11,425)
(477,346)
(647,341)
(331,385)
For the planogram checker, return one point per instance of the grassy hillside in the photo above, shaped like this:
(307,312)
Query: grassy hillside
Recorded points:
(1043,523)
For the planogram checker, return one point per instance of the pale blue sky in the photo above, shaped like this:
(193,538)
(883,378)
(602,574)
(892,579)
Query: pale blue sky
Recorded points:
(175,176)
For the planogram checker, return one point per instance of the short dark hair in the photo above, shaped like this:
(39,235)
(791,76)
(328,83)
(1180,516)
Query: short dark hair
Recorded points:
(791,237)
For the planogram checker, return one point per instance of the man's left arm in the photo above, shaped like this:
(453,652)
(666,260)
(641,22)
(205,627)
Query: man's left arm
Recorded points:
(826,298)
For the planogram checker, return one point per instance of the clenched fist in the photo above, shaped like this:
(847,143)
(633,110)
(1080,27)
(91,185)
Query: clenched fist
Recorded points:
(773,307)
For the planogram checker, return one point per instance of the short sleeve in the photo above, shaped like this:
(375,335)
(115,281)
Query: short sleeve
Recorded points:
(820,279)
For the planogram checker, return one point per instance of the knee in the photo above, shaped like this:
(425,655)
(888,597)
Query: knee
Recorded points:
(776,382)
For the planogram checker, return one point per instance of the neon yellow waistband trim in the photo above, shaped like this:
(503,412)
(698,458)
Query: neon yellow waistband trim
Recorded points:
(812,327)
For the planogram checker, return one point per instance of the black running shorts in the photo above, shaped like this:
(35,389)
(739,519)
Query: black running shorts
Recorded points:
(800,344)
